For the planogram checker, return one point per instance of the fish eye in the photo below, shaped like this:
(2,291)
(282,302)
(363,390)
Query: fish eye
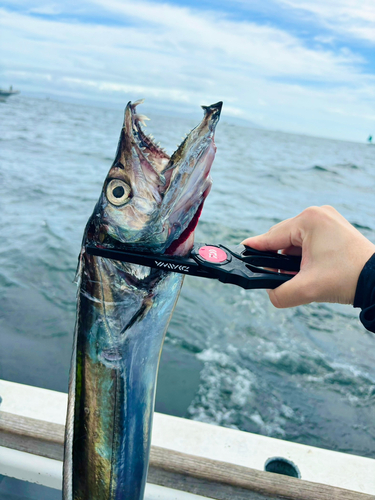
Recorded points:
(117,192)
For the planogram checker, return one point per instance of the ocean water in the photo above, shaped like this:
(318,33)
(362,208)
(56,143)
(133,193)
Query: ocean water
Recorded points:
(305,374)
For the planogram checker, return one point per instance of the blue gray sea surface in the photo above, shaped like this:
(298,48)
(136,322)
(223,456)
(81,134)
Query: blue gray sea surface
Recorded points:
(230,358)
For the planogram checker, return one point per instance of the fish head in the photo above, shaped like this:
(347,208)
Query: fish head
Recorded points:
(151,201)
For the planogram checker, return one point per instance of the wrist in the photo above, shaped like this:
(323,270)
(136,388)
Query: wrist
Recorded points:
(365,290)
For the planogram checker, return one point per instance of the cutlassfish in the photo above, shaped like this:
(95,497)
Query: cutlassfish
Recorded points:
(149,202)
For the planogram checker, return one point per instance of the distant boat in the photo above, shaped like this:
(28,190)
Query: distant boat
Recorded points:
(6,93)
(369,140)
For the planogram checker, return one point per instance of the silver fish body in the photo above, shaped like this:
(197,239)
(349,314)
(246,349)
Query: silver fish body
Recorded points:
(149,201)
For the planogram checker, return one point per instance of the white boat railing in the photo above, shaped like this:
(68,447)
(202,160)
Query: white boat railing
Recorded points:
(192,457)
(48,472)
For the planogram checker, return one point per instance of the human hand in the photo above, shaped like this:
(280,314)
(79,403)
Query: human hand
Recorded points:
(333,255)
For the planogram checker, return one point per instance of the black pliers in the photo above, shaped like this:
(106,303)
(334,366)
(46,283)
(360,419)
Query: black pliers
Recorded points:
(240,265)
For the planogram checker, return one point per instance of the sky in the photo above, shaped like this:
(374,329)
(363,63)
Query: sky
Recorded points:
(304,66)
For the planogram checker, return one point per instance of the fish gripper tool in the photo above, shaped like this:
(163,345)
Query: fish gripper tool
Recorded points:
(240,265)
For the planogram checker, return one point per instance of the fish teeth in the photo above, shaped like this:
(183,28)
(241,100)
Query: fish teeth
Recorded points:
(142,119)
(140,101)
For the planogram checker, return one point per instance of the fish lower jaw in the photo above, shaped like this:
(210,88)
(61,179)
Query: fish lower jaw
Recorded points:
(184,247)
(185,242)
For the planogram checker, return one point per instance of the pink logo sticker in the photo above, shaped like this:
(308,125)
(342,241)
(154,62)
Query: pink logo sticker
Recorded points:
(213,254)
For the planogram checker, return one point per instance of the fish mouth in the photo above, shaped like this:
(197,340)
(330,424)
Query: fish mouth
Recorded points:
(182,181)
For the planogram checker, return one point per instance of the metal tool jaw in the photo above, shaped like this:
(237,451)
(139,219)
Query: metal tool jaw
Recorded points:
(240,265)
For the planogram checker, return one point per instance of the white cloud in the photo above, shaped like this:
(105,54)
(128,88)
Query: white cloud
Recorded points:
(105,86)
(187,57)
(353,17)
(263,49)
(178,39)
(46,9)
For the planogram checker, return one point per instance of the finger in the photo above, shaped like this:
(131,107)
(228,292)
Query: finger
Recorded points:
(295,292)
(256,242)
(284,235)
(292,251)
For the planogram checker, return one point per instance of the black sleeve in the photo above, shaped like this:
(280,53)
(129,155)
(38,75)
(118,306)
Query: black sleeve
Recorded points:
(365,295)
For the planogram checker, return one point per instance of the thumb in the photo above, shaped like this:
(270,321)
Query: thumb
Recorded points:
(295,292)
